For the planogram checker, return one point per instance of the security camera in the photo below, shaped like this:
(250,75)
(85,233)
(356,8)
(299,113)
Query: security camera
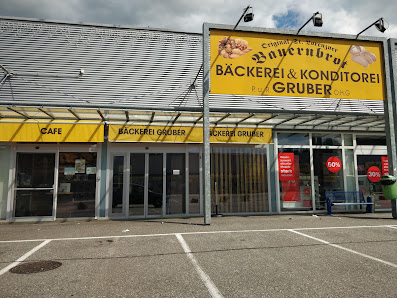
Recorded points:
(81,72)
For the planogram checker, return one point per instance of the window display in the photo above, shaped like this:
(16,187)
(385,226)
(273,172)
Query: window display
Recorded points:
(76,184)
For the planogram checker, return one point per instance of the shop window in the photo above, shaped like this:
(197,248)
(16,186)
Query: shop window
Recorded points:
(4,170)
(370,168)
(295,177)
(370,140)
(239,180)
(34,194)
(348,140)
(194,183)
(293,138)
(327,139)
(76,184)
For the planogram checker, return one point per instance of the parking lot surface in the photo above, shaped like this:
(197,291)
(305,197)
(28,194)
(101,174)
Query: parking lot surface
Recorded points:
(258,256)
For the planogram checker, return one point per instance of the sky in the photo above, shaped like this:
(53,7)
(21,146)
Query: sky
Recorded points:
(339,16)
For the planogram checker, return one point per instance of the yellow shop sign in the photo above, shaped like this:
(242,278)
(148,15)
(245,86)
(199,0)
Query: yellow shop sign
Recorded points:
(248,63)
(185,134)
(30,131)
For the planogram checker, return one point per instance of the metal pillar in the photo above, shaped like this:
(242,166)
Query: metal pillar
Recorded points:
(206,128)
(391,111)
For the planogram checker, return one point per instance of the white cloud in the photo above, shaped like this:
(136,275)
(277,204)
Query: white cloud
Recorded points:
(348,17)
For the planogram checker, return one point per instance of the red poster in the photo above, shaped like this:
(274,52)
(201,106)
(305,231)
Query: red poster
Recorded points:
(286,166)
(291,188)
(385,165)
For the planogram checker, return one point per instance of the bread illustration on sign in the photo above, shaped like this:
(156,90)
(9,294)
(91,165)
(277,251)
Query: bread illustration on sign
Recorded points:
(361,56)
(233,48)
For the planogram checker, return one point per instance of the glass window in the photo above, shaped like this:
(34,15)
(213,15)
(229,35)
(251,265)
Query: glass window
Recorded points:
(137,184)
(295,177)
(35,170)
(4,170)
(194,183)
(76,184)
(118,184)
(371,188)
(34,195)
(176,183)
(239,180)
(370,140)
(293,138)
(326,139)
(348,140)
(328,173)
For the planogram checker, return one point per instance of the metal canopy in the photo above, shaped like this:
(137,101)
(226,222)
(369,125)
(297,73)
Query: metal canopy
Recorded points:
(275,119)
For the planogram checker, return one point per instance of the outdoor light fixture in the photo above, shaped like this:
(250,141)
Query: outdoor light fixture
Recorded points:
(248,17)
(379,24)
(317,21)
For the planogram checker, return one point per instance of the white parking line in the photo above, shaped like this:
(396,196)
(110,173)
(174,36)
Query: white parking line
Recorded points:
(25,256)
(190,233)
(204,277)
(344,248)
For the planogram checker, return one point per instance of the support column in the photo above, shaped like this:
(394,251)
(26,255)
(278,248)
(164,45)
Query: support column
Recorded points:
(391,112)
(206,128)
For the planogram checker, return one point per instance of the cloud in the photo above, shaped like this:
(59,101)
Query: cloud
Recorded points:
(346,17)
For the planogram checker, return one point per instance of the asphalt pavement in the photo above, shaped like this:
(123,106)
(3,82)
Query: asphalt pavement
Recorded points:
(349,255)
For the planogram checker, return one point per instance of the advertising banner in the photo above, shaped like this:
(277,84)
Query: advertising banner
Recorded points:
(291,188)
(185,134)
(286,166)
(49,132)
(248,63)
(385,165)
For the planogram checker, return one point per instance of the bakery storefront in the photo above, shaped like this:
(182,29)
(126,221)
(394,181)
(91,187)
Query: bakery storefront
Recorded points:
(266,123)
(53,169)
(156,171)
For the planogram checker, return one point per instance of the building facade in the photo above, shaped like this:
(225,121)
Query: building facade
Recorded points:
(102,121)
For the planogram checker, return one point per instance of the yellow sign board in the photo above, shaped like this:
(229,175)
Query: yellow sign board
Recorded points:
(50,132)
(248,63)
(184,134)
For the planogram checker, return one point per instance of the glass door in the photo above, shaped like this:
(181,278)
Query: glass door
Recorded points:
(176,183)
(146,185)
(117,192)
(328,174)
(34,186)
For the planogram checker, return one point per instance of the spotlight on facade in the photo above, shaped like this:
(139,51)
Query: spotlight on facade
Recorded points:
(379,24)
(249,16)
(317,21)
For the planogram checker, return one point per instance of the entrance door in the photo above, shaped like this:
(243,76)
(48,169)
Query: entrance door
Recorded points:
(152,185)
(34,187)
(328,173)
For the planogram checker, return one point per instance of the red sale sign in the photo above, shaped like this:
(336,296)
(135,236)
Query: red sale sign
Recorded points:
(385,165)
(291,188)
(334,164)
(286,166)
(373,174)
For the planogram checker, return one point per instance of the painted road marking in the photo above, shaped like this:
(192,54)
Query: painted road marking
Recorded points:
(204,277)
(25,256)
(346,249)
(192,233)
